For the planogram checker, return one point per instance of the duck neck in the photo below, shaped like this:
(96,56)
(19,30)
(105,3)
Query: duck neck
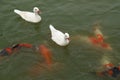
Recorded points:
(36,13)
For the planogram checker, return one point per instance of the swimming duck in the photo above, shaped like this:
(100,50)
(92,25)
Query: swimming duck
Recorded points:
(30,16)
(59,37)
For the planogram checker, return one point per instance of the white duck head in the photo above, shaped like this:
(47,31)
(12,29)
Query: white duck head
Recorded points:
(67,37)
(36,10)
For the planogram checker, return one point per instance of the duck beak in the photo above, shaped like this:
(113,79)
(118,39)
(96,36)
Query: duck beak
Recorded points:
(39,12)
(68,38)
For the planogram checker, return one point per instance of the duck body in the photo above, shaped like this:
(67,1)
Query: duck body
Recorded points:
(29,16)
(58,37)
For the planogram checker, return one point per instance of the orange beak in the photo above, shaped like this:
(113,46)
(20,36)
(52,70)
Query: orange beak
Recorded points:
(39,12)
(68,38)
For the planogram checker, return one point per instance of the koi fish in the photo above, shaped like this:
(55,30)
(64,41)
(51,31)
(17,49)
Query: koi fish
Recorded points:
(25,45)
(98,34)
(96,29)
(99,38)
(46,54)
(93,40)
(108,65)
(106,46)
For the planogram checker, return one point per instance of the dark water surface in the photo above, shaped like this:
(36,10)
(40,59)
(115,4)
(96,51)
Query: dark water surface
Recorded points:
(74,62)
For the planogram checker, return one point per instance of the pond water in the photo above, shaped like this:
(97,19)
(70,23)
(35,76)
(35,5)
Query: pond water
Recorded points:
(78,60)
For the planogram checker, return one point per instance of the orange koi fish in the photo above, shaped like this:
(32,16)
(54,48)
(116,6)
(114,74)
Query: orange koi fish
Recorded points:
(100,38)
(46,54)
(98,34)
(93,40)
(108,65)
(25,45)
(106,46)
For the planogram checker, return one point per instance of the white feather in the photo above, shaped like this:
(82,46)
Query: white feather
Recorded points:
(58,37)
(29,16)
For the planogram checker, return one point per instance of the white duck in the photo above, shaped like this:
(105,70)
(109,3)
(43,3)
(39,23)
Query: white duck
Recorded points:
(58,37)
(29,16)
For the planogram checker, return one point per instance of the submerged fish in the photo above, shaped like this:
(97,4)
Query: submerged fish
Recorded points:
(46,53)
